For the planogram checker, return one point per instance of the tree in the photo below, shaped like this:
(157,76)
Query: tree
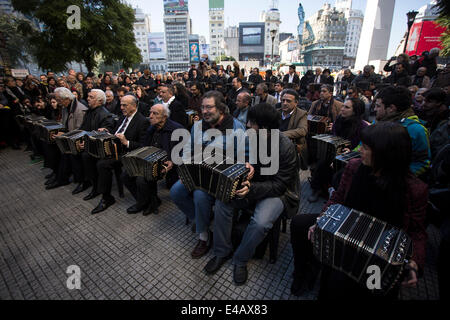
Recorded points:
(12,45)
(224,58)
(444,20)
(106,29)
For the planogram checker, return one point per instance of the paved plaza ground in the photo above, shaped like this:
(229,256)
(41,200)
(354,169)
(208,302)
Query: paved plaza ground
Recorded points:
(125,256)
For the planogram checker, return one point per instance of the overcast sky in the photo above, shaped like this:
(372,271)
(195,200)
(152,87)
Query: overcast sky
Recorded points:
(249,11)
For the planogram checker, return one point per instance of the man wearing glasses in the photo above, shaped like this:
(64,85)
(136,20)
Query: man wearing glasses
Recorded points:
(197,206)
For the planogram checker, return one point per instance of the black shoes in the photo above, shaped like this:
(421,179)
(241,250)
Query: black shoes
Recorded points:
(215,264)
(134,209)
(50,181)
(153,207)
(103,205)
(49,176)
(81,187)
(56,184)
(92,195)
(240,275)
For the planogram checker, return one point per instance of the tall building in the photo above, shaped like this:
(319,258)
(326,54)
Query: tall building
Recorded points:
(177,29)
(324,38)
(355,19)
(141,28)
(376,30)
(284,36)
(272,21)
(216,27)
(231,42)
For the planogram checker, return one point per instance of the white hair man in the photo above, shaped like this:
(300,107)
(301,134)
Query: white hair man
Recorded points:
(158,135)
(72,117)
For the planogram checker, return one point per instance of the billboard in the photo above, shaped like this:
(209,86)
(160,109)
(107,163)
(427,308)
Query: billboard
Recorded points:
(175,6)
(194,51)
(424,36)
(157,45)
(251,34)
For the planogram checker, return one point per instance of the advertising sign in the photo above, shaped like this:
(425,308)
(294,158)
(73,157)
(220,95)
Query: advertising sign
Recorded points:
(204,49)
(157,45)
(194,51)
(175,6)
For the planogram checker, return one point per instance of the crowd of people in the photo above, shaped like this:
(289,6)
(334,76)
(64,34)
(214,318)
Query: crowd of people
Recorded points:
(400,125)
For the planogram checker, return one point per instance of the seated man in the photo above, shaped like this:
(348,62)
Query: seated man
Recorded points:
(159,136)
(266,193)
(326,106)
(243,103)
(262,95)
(198,205)
(130,130)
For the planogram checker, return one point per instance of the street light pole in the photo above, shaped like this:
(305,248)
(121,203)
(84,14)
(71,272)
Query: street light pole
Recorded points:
(273,33)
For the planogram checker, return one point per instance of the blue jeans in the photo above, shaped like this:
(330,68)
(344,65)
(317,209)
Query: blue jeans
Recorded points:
(196,206)
(266,213)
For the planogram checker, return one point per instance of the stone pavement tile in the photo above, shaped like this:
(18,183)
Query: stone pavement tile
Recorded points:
(125,256)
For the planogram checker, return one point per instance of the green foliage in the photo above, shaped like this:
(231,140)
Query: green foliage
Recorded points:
(13,44)
(444,20)
(106,31)
(224,58)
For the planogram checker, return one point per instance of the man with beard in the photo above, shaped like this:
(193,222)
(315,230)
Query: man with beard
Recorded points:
(198,205)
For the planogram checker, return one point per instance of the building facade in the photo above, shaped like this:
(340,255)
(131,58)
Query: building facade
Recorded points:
(141,30)
(324,38)
(355,19)
(272,21)
(252,37)
(177,26)
(216,28)
(231,42)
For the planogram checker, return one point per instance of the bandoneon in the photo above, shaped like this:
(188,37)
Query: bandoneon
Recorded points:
(342,160)
(68,142)
(218,180)
(329,146)
(103,145)
(351,241)
(147,162)
(317,124)
(46,128)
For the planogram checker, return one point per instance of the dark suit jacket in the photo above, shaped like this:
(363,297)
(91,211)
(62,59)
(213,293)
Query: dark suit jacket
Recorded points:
(136,130)
(296,79)
(144,109)
(178,113)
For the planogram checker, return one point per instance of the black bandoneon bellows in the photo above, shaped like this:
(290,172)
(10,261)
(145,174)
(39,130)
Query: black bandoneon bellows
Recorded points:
(329,146)
(351,241)
(342,160)
(147,162)
(68,142)
(317,124)
(103,145)
(47,128)
(220,180)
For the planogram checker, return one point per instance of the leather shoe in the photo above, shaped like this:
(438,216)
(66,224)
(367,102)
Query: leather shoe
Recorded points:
(103,205)
(240,275)
(134,209)
(92,195)
(50,181)
(56,184)
(215,264)
(150,210)
(201,249)
(81,187)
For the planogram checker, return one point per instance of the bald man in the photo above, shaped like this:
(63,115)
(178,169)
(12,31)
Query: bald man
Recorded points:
(158,135)
(130,130)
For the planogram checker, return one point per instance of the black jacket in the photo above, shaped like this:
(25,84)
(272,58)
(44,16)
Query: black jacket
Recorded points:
(147,83)
(97,118)
(284,183)
(296,79)
(144,109)
(136,130)
(178,113)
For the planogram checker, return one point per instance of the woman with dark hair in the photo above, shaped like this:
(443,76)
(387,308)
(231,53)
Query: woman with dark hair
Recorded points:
(51,84)
(349,125)
(379,184)
(327,77)
(80,77)
(305,81)
(228,69)
(142,95)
